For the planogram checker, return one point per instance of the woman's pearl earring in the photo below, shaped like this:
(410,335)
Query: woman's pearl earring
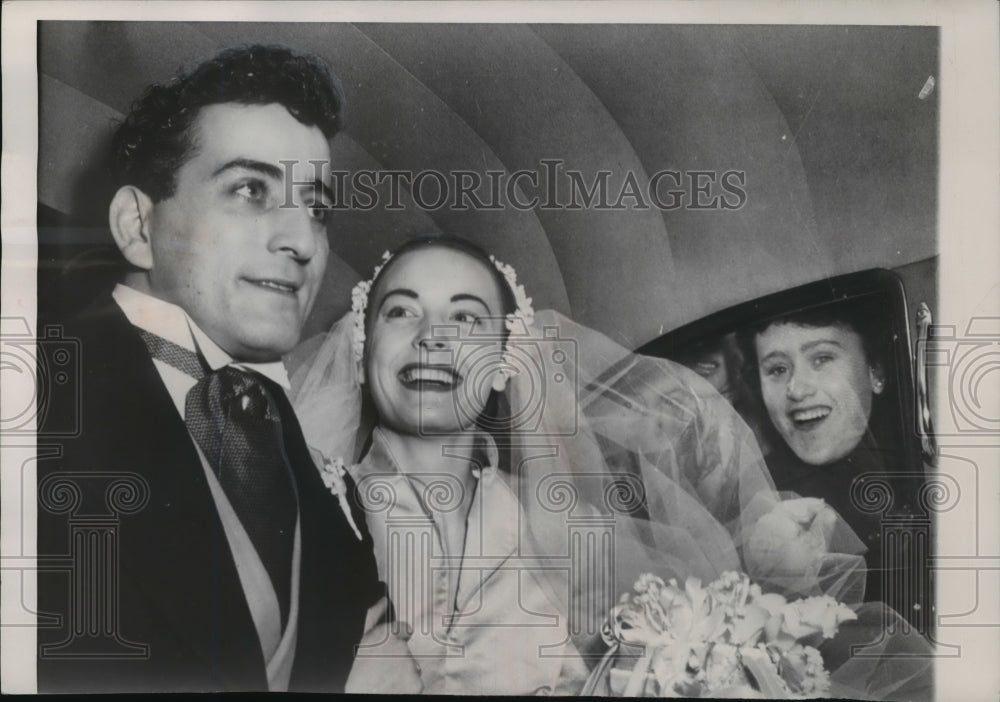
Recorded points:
(499,381)
(877,379)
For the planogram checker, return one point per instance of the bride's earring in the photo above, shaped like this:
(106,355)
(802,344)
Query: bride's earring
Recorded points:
(499,381)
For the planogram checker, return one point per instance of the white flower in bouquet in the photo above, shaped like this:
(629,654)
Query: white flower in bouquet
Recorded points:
(801,668)
(804,618)
(662,613)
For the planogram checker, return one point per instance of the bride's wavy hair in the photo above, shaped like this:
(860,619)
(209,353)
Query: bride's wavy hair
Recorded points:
(495,417)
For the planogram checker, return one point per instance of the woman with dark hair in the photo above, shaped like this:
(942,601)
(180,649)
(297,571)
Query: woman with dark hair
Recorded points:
(822,379)
(428,336)
(720,361)
(717,360)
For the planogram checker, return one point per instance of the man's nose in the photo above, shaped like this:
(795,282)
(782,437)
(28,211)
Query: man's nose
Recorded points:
(295,233)
(798,388)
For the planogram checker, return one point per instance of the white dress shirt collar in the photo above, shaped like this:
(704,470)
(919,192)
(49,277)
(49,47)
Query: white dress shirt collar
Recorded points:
(171,322)
(484,458)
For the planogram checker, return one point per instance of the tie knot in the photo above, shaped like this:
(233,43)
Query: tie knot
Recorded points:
(243,394)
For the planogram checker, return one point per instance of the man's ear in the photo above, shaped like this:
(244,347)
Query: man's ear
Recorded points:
(129,217)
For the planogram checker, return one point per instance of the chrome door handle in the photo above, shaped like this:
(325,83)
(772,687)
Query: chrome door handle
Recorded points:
(925,424)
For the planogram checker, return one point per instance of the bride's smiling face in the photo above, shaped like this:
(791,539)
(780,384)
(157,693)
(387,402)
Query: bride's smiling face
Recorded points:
(434,341)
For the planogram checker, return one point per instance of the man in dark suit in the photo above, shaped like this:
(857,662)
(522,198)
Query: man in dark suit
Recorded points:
(186,539)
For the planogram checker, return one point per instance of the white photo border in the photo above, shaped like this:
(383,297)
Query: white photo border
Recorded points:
(968,226)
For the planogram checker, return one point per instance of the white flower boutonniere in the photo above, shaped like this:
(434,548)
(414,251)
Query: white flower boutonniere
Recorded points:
(333,477)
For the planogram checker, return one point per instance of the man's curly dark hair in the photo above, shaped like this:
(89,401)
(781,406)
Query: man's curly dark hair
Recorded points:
(156,138)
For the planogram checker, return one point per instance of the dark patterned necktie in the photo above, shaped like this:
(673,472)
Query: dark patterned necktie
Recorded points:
(236,422)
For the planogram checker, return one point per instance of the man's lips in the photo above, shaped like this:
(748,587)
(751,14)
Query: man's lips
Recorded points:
(430,377)
(809,417)
(284,286)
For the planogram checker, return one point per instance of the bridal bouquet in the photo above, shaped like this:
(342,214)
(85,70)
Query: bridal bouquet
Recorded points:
(726,639)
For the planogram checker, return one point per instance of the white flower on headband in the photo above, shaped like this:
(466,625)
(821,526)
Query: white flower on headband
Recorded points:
(524,312)
(359,302)
(524,309)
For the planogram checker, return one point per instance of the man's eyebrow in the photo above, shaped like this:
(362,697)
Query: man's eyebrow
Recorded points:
(271,171)
(267,169)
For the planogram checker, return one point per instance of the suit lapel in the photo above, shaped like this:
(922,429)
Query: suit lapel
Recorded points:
(176,548)
(178,589)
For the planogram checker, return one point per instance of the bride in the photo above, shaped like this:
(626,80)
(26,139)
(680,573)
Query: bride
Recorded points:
(523,471)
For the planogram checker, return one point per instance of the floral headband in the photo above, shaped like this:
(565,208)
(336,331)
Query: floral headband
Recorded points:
(523,315)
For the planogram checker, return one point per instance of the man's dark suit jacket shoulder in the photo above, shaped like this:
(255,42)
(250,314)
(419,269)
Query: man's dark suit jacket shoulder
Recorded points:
(153,601)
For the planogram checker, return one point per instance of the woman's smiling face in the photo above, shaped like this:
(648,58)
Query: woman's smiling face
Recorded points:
(713,366)
(434,342)
(817,386)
